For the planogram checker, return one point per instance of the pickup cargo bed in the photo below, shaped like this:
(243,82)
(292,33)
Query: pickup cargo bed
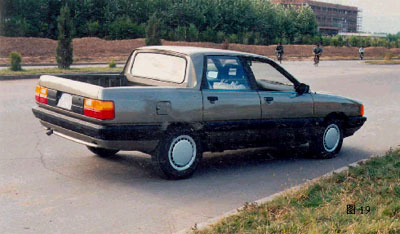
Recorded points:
(103,80)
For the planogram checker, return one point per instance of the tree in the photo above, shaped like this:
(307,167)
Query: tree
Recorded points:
(153,31)
(64,48)
(306,22)
(254,21)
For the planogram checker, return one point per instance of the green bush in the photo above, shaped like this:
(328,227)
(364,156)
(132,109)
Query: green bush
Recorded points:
(341,41)
(192,33)
(383,42)
(123,28)
(316,40)
(220,37)
(180,33)
(208,35)
(307,40)
(326,41)
(93,28)
(15,60)
(233,38)
(335,41)
(374,42)
(258,39)
(354,41)
(112,64)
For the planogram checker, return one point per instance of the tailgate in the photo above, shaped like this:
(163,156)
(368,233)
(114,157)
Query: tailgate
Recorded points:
(70,86)
(73,96)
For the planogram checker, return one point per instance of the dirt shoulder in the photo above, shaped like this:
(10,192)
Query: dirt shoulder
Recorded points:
(96,50)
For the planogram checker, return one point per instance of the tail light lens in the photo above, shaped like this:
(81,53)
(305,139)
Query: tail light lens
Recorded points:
(98,109)
(41,94)
(362,110)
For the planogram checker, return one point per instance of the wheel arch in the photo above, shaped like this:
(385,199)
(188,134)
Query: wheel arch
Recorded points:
(335,116)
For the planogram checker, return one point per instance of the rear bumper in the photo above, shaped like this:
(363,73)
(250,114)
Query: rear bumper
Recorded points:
(353,124)
(122,137)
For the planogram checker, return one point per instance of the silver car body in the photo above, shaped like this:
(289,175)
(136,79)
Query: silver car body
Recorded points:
(157,106)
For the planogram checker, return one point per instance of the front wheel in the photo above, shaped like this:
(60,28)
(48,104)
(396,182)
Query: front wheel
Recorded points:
(104,153)
(177,155)
(327,143)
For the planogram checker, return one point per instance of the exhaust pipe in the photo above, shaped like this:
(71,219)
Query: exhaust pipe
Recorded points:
(49,132)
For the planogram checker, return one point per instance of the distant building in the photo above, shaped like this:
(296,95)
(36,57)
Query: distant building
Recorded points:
(331,18)
(376,35)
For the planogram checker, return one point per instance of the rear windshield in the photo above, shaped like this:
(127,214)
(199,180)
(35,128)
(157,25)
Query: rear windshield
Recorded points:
(162,67)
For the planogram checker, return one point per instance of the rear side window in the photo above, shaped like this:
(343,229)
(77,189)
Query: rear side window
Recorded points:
(160,67)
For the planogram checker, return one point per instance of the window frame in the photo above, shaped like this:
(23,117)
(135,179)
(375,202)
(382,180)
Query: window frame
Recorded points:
(280,69)
(250,79)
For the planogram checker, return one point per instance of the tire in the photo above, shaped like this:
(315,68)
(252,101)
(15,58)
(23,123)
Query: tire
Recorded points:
(328,142)
(177,155)
(104,153)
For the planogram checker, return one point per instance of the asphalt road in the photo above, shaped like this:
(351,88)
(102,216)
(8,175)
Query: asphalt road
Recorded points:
(51,185)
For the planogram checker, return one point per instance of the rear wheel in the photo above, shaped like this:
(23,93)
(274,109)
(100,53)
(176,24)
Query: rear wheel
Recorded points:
(177,155)
(328,143)
(104,153)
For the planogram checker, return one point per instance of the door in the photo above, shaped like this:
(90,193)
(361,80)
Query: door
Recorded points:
(232,109)
(285,115)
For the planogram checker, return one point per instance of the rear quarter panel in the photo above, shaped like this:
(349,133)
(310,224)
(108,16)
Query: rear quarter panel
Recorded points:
(154,105)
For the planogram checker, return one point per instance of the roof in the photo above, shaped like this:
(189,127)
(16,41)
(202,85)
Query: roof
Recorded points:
(193,51)
(316,3)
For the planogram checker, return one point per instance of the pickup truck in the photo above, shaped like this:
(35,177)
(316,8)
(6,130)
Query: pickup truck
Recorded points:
(175,103)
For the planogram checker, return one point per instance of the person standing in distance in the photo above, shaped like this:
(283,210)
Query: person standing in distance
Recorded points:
(361,51)
(317,51)
(279,52)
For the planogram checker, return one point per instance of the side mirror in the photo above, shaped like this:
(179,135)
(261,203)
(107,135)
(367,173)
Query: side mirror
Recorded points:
(249,62)
(302,89)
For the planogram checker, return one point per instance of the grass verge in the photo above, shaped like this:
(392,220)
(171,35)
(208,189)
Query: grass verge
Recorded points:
(321,207)
(383,62)
(40,71)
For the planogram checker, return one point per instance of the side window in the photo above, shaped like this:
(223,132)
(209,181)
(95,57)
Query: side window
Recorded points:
(269,78)
(223,72)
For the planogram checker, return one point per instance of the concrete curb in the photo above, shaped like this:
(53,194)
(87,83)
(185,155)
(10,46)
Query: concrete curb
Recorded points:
(214,220)
(24,77)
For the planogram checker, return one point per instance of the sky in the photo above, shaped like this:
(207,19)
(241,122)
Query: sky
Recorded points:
(378,15)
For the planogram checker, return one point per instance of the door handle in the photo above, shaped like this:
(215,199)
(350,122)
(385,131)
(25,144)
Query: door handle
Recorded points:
(269,100)
(212,99)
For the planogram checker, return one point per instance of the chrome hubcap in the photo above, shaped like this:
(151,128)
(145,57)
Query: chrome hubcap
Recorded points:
(182,152)
(331,138)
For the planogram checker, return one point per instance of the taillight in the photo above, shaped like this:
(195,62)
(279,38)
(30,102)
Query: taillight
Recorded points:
(98,109)
(362,110)
(41,94)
